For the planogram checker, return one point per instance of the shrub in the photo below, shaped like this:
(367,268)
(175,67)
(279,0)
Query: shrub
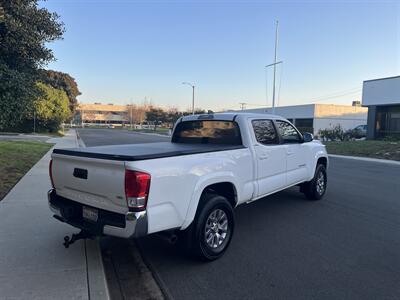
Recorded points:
(51,108)
(335,133)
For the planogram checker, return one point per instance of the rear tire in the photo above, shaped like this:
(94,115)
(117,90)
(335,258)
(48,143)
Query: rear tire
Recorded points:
(316,188)
(211,232)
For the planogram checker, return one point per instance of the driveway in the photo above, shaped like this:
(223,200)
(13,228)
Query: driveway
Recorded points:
(346,246)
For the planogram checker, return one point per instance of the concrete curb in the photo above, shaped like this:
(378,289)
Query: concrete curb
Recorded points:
(96,277)
(155,279)
(150,280)
(367,159)
(80,142)
(156,134)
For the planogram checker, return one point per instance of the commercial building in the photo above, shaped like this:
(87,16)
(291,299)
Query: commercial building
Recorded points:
(98,113)
(382,97)
(314,117)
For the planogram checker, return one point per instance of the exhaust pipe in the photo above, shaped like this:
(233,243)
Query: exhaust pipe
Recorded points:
(168,236)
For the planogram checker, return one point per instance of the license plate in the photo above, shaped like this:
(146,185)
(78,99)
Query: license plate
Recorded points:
(90,214)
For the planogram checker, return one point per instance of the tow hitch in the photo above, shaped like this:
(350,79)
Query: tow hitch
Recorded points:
(75,237)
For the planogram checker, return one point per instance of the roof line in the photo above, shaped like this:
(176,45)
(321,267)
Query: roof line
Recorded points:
(398,76)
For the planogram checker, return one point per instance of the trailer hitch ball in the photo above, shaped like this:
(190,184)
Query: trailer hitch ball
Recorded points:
(75,237)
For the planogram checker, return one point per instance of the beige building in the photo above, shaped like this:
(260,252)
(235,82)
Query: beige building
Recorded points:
(98,113)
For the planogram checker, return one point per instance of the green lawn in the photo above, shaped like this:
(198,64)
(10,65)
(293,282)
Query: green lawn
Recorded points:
(16,158)
(51,134)
(375,149)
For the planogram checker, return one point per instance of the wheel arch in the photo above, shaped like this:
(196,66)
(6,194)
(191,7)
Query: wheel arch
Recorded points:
(323,160)
(224,185)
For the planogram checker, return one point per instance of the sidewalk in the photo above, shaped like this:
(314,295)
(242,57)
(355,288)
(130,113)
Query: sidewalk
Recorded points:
(33,262)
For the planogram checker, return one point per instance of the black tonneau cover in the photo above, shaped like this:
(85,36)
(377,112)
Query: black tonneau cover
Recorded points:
(134,152)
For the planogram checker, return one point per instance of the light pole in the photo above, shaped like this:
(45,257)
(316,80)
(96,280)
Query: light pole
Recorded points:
(188,83)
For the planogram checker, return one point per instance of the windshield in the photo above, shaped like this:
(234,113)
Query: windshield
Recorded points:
(207,132)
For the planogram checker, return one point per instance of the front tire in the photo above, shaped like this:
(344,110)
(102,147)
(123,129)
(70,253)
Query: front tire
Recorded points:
(316,188)
(212,228)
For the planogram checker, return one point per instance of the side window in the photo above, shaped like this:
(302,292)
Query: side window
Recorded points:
(288,133)
(265,132)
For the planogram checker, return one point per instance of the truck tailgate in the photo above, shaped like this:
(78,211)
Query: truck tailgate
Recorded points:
(95,182)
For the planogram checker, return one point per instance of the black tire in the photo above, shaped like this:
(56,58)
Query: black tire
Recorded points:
(315,189)
(196,234)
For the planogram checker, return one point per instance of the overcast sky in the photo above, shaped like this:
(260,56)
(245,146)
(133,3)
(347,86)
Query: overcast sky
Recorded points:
(124,51)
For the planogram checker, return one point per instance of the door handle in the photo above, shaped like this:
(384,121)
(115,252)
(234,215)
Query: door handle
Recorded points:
(288,152)
(263,155)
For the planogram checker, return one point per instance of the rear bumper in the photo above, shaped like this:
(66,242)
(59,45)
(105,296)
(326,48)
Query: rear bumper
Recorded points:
(129,225)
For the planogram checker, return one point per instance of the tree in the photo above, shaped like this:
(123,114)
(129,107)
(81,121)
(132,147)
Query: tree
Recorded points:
(25,29)
(136,113)
(156,116)
(63,81)
(173,114)
(51,107)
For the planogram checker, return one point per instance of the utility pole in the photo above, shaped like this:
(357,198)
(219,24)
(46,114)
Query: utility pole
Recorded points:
(274,65)
(242,105)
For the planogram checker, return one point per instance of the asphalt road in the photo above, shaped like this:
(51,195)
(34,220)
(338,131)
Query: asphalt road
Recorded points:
(346,246)
(99,137)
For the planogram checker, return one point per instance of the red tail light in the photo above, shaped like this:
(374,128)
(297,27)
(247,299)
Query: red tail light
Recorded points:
(51,173)
(137,186)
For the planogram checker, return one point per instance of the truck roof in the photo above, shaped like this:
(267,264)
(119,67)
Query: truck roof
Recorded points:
(230,116)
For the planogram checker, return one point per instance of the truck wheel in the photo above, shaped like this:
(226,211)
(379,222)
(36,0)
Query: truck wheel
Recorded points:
(212,228)
(316,188)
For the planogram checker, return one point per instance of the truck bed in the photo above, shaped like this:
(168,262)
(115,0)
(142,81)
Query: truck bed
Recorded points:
(134,152)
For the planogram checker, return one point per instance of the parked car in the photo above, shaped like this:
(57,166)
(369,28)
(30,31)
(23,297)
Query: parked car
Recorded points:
(187,187)
(360,131)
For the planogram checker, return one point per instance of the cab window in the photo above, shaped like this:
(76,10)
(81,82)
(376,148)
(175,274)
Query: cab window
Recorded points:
(288,133)
(264,131)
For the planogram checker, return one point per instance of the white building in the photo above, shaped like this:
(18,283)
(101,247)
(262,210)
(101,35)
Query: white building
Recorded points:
(382,97)
(313,117)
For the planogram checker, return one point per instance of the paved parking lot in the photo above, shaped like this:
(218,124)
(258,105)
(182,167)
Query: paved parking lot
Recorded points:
(346,246)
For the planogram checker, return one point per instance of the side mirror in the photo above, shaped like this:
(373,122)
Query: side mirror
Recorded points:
(307,137)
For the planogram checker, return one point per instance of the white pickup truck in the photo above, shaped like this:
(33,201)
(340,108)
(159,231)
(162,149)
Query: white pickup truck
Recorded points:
(189,186)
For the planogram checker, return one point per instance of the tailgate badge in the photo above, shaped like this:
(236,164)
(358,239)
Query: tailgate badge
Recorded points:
(80,173)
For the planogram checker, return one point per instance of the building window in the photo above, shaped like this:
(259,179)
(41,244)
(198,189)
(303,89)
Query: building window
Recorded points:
(387,120)
(305,125)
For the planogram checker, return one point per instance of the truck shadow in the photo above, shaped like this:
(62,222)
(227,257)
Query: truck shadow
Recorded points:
(254,217)
(260,227)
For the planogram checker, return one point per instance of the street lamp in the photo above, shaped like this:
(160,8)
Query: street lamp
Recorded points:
(188,83)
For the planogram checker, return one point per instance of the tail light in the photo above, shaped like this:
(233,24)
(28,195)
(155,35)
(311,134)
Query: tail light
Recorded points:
(51,173)
(137,186)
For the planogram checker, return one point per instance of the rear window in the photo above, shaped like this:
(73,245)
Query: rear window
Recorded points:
(207,132)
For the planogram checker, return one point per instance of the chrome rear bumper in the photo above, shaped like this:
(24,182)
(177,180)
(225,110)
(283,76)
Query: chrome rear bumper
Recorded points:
(130,225)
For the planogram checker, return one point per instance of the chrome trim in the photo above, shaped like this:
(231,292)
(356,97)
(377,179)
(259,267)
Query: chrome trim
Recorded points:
(136,224)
